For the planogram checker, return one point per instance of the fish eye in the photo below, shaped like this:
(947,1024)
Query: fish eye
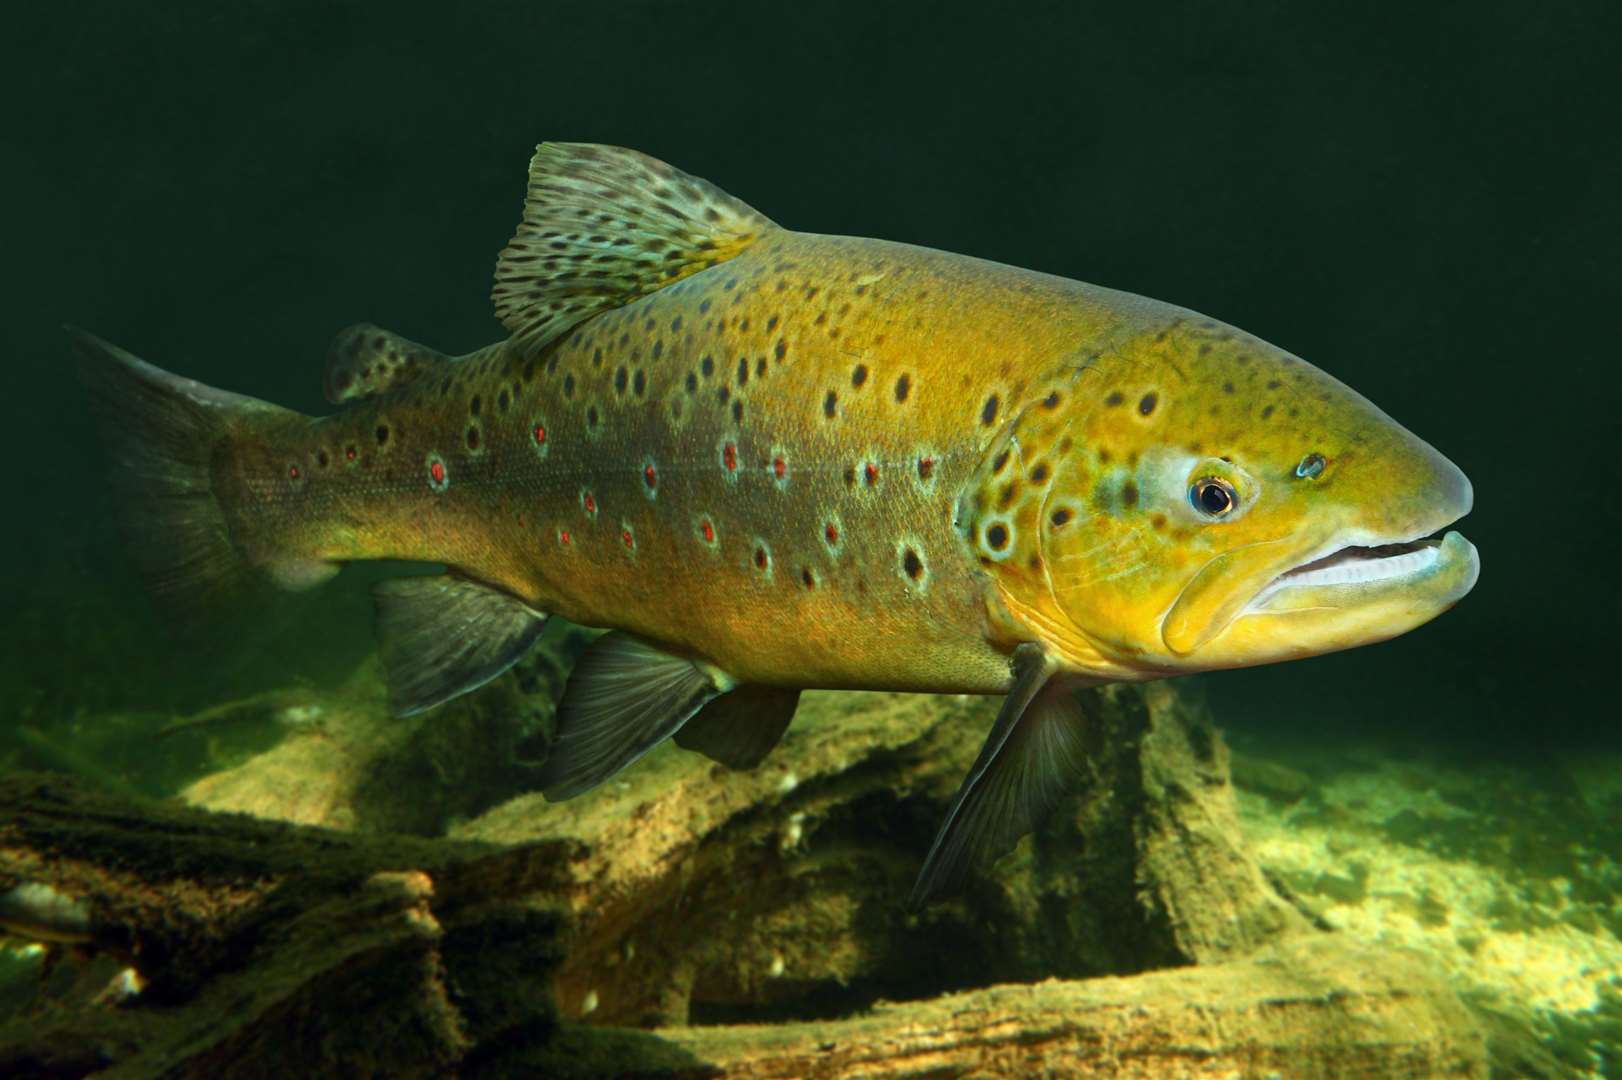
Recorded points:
(1213,497)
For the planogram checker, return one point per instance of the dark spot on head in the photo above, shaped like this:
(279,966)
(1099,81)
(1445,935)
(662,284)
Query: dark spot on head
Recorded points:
(1227,388)
(1158,521)
(1146,404)
(1040,473)
(858,375)
(707,365)
(1129,494)
(988,411)
(912,564)
(1103,455)
(1051,401)
(1060,517)
(903,387)
(1267,411)
(1274,384)
(1115,398)
(997,537)
(830,405)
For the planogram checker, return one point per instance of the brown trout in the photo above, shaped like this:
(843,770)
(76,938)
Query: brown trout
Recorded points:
(770,460)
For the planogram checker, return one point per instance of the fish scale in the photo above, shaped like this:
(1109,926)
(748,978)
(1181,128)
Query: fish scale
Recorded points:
(768,460)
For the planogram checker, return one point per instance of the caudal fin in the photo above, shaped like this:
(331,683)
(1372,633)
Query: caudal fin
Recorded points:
(164,434)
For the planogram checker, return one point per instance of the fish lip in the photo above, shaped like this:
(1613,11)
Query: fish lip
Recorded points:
(1358,555)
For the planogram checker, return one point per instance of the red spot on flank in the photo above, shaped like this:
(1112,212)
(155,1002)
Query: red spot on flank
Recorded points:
(831,531)
(350,453)
(760,558)
(292,472)
(779,467)
(563,536)
(872,474)
(729,457)
(437,471)
(540,434)
(630,541)
(591,503)
(709,532)
(650,476)
(926,466)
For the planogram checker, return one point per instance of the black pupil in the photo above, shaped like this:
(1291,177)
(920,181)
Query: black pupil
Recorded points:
(1215,498)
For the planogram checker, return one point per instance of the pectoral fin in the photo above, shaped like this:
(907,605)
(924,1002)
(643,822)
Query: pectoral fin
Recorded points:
(443,635)
(624,697)
(739,728)
(1033,756)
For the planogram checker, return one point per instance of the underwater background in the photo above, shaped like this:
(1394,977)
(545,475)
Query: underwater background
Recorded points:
(1424,200)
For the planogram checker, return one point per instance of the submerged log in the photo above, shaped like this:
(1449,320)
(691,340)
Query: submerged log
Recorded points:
(766,906)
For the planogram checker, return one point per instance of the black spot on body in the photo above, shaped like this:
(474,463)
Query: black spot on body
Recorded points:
(988,411)
(639,382)
(997,537)
(707,365)
(1115,398)
(1129,494)
(382,434)
(743,370)
(912,564)
(474,405)
(621,379)
(830,405)
(1040,473)
(1147,403)
(1060,517)
(903,387)
(858,375)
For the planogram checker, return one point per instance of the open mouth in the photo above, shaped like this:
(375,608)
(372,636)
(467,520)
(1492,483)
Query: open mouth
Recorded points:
(1351,565)
(1358,565)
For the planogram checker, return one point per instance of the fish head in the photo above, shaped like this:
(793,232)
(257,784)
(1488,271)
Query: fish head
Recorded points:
(1215,502)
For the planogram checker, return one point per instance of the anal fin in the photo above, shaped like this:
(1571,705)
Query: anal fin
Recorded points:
(443,635)
(1033,756)
(739,728)
(624,697)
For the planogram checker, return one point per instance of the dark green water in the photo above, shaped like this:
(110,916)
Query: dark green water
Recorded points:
(1423,200)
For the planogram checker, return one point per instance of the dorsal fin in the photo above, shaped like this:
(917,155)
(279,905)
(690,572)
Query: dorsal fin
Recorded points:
(604,225)
(365,360)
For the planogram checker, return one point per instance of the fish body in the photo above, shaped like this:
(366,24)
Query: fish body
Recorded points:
(775,460)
